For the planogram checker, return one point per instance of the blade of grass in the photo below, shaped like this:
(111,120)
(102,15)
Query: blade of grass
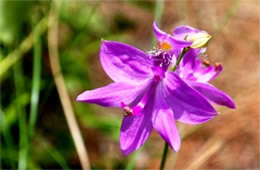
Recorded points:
(158,13)
(61,86)
(10,116)
(35,81)
(55,154)
(23,143)
(24,47)
(8,140)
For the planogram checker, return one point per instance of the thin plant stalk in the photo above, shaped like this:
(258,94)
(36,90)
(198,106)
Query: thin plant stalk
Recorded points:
(23,138)
(61,87)
(165,151)
(184,51)
(8,139)
(37,50)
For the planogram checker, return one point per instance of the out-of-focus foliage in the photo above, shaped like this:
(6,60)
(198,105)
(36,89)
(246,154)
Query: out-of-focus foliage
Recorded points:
(82,26)
(13,14)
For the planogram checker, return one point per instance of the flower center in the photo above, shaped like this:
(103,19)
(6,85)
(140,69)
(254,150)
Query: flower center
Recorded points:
(136,110)
(159,74)
(161,57)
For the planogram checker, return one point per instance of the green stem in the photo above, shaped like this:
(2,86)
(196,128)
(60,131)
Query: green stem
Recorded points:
(180,58)
(165,151)
(7,136)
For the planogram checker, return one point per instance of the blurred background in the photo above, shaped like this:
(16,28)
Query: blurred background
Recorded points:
(50,54)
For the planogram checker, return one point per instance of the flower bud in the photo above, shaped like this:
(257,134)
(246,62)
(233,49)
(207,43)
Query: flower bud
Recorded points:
(200,40)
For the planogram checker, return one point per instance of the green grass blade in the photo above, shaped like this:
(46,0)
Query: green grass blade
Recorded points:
(37,51)
(158,13)
(55,154)
(7,137)
(23,143)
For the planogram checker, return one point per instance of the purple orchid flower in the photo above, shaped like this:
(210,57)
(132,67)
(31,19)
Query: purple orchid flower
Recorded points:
(192,70)
(151,96)
(197,73)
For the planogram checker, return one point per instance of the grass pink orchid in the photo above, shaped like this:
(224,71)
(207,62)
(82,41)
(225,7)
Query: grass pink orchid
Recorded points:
(149,94)
(197,73)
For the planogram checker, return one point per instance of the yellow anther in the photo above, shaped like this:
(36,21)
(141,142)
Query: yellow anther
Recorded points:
(165,46)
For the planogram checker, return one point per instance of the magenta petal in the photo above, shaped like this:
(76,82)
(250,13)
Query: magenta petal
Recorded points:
(213,94)
(161,36)
(188,105)
(113,94)
(123,62)
(179,43)
(204,75)
(187,64)
(164,122)
(136,129)
(181,31)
